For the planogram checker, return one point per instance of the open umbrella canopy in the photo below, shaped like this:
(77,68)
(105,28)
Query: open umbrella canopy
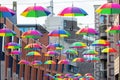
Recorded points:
(87,31)
(15,52)
(49,62)
(5,32)
(33,46)
(73,11)
(77,74)
(88,74)
(71,51)
(59,33)
(90,52)
(113,30)
(78,60)
(51,53)
(93,59)
(23,62)
(6,12)
(109,8)
(12,45)
(33,53)
(36,63)
(64,61)
(109,50)
(78,45)
(35,34)
(55,46)
(101,42)
(35,11)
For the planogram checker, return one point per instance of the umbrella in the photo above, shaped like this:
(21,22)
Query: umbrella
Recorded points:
(71,51)
(87,31)
(49,62)
(35,34)
(58,75)
(23,62)
(47,74)
(36,63)
(6,12)
(93,59)
(109,8)
(77,74)
(15,52)
(33,46)
(51,53)
(88,74)
(118,43)
(78,60)
(78,45)
(73,11)
(5,32)
(12,45)
(68,75)
(109,50)
(113,30)
(90,52)
(101,42)
(64,61)
(33,53)
(35,11)
(55,46)
(59,33)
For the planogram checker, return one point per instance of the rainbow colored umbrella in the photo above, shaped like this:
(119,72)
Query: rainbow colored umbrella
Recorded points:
(113,30)
(33,46)
(87,31)
(101,42)
(12,45)
(15,52)
(59,33)
(109,50)
(78,45)
(88,74)
(58,78)
(58,75)
(5,32)
(49,62)
(89,78)
(77,74)
(51,53)
(78,60)
(71,51)
(6,12)
(64,61)
(35,34)
(90,52)
(68,75)
(73,11)
(36,63)
(33,53)
(49,75)
(23,62)
(35,11)
(93,59)
(109,8)
(55,46)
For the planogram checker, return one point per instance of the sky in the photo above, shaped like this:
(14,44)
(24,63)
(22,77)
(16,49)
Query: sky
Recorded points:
(59,5)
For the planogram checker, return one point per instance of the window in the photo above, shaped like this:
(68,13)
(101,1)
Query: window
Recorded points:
(24,29)
(62,68)
(30,73)
(65,23)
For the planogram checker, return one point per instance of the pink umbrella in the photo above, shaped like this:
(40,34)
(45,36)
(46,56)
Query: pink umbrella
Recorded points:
(64,61)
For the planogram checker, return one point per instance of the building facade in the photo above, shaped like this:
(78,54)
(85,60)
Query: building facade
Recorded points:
(9,67)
